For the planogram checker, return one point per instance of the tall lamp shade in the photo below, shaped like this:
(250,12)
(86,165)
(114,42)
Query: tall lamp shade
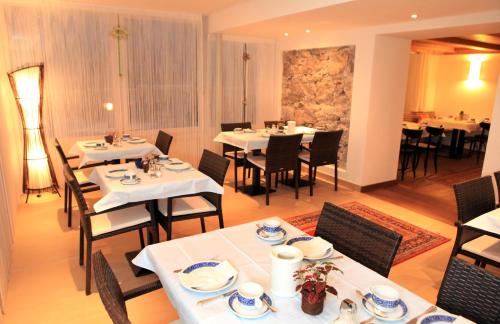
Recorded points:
(38,172)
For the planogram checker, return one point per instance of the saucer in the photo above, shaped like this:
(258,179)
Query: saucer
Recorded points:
(240,311)
(100,148)
(136,140)
(437,318)
(130,183)
(116,173)
(279,237)
(399,313)
(177,166)
(327,254)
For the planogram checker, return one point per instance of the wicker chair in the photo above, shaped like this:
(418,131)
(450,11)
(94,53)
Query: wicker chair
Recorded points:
(480,140)
(110,292)
(497,180)
(432,143)
(474,198)
(409,150)
(281,155)
(82,179)
(366,242)
(471,292)
(163,141)
(233,152)
(323,151)
(96,226)
(199,205)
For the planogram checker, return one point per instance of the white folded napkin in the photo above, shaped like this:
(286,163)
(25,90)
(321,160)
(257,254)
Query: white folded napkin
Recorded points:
(314,248)
(495,217)
(208,277)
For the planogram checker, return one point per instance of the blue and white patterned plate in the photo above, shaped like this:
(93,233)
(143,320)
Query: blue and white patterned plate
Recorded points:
(240,311)
(436,318)
(399,313)
(294,240)
(281,236)
(203,264)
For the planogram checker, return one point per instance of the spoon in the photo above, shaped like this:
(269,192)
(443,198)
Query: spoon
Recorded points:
(262,233)
(272,308)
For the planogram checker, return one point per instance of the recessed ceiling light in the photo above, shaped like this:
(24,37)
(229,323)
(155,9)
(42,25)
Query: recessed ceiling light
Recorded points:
(308,30)
(413,16)
(285,34)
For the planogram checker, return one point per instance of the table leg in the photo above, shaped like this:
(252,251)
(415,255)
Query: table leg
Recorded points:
(255,188)
(457,144)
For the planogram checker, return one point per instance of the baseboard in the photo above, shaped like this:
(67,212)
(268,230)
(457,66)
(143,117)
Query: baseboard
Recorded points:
(378,185)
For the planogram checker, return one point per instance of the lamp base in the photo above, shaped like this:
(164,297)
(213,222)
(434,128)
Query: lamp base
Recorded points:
(54,189)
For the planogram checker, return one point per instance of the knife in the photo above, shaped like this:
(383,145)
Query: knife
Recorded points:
(226,294)
(427,311)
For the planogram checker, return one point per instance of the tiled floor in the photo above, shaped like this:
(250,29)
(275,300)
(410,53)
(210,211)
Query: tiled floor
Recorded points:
(47,283)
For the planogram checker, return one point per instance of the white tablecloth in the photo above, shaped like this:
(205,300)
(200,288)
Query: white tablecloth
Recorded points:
(256,141)
(450,124)
(124,151)
(170,184)
(489,222)
(240,246)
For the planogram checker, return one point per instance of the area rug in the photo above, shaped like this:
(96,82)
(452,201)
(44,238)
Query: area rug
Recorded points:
(416,240)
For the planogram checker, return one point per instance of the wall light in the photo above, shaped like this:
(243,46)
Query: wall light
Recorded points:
(108,106)
(474,81)
(38,172)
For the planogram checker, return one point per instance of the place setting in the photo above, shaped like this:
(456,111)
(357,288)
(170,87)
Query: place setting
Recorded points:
(384,303)
(271,231)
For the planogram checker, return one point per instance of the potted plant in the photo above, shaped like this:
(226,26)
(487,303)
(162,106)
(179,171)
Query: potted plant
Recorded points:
(313,286)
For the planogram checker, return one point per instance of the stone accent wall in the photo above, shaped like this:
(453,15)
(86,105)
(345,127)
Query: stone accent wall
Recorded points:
(317,89)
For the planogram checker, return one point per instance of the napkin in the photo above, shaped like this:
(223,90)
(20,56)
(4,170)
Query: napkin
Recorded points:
(314,248)
(495,218)
(208,277)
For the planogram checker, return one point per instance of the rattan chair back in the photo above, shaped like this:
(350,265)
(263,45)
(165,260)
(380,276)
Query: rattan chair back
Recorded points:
(60,151)
(163,141)
(324,147)
(70,179)
(497,179)
(470,291)
(474,197)
(109,289)
(282,152)
(214,166)
(362,240)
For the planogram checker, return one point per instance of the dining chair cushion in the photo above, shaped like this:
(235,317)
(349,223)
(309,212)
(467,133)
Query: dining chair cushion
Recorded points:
(186,205)
(81,177)
(118,219)
(258,160)
(485,246)
(305,156)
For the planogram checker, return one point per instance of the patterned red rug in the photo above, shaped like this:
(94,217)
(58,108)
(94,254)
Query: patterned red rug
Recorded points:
(415,241)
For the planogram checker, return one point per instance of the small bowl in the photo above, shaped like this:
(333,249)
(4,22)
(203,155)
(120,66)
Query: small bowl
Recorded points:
(272,227)
(385,297)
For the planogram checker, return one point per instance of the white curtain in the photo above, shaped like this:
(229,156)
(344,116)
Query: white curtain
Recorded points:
(421,80)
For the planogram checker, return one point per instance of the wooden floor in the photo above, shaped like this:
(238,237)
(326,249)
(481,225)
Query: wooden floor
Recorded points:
(47,284)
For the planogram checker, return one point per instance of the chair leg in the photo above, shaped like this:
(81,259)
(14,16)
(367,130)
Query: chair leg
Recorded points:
(276,176)
(244,178)
(268,182)
(202,221)
(221,219)
(310,180)
(426,160)
(88,267)
(296,176)
(141,238)
(477,263)
(436,155)
(81,245)
(70,206)
(65,197)
(314,176)
(169,228)
(236,173)
(336,176)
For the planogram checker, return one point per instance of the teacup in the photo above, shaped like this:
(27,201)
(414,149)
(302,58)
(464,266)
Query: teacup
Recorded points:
(130,176)
(249,295)
(385,297)
(272,227)
(126,136)
(163,158)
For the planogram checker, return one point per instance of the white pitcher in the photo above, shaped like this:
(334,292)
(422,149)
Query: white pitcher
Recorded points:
(285,260)
(291,126)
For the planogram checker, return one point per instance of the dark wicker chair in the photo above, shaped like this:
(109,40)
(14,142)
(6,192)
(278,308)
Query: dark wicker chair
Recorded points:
(281,156)
(110,292)
(481,139)
(471,292)
(233,152)
(366,242)
(96,226)
(432,144)
(497,180)
(163,141)
(474,198)
(82,179)
(323,151)
(409,150)
(199,205)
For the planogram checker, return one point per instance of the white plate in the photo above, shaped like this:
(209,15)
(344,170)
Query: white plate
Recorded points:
(136,140)
(100,148)
(116,173)
(436,318)
(89,144)
(130,183)
(281,236)
(292,241)
(240,311)
(399,313)
(203,264)
(177,167)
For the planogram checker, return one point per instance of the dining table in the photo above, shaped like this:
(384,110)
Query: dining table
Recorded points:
(240,246)
(149,190)
(487,224)
(122,150)
(252,142)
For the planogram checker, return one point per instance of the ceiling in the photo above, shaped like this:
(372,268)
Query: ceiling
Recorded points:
(188,6)
(474,44)
(363,13)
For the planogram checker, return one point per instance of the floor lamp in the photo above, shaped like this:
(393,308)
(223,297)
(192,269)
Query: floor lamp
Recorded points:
(38,172)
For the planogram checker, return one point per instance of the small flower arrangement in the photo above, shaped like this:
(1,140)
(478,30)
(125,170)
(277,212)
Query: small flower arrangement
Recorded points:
(313,285)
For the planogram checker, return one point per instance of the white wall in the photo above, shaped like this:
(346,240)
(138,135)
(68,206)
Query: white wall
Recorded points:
(492,157)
